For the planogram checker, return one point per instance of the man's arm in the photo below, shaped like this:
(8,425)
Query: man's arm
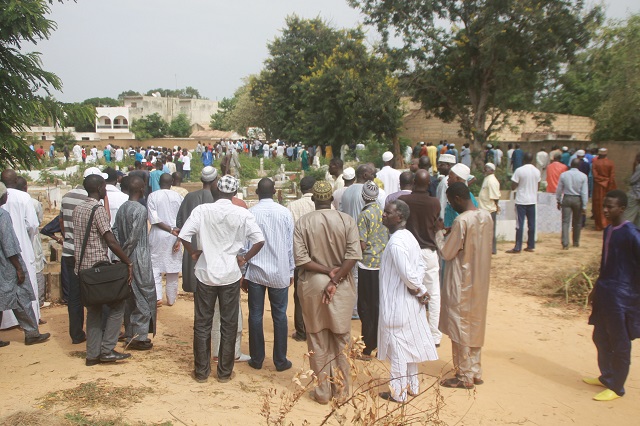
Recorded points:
(15,261)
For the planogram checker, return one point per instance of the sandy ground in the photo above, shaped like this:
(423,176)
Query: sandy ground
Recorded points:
(534,356)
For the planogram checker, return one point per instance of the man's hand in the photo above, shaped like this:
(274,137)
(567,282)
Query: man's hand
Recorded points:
(130,274)
(175,231)
(328,293)
(21,276)
(290,281)
(439,225)
(559,206)
(424,299)
(244,285)
(333,272)
(196,255)
(176,246)
(241,261)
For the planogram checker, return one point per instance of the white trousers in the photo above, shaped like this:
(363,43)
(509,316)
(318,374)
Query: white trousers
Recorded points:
(404,375)
(215,332)
(432,282)
(172,286)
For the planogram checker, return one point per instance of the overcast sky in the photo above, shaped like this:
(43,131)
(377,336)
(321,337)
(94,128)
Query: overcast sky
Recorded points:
(102,48)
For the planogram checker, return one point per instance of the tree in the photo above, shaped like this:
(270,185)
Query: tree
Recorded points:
(180,126)
(239,112)
(219,120)
(25,96)
(102,102)
(128,93)
(476,61)
(151,126)
(186,93)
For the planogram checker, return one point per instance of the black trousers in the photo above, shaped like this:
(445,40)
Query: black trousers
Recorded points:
(74,303)
(204,307)
(298,321)
(368,307)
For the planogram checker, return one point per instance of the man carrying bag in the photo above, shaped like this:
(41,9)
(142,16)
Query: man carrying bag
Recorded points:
(90,219)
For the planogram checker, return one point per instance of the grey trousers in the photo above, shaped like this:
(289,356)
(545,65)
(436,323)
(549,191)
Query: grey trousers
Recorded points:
(26,319)
(41,287)
(571,216)
(494,216)
(632,213)
(215,331)
(102,341)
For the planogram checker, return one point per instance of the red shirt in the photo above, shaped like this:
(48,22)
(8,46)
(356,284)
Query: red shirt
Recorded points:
(40,153)
(554,170)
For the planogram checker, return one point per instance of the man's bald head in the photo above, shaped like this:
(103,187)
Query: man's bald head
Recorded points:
(21,184)
(136,185)
(266,188)
(575,163)
(166,180)
(406,180)
(528,158)
(9,178)
(421,181)
(424,163)
(92,184)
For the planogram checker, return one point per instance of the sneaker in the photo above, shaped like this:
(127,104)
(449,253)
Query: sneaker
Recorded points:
(243,358)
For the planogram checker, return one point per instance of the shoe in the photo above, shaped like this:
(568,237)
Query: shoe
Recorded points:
(46,305)
(314,397)
(593,381)
(512,251)
(89,362)
(114,356)
(565,247)
(389,397)
(158,303)
(437,345)
(37,339)
(530,250)
(254,365)
(77,342)
(41,322)
(298,337)
(122,337)
(226,379)
(3,344)
(576,245)
(140,345)
(243,358)
(355,317)
(287,366)
(456,383)
(199,379)
(606,395)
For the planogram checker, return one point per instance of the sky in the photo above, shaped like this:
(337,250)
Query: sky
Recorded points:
(102,48)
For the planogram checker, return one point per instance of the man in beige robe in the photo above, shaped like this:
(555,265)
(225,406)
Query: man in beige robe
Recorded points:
(326,246)
(465,291)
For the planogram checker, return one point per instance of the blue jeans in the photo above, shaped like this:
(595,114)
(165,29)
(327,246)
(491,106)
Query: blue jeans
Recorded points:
(528,210)
(279,299)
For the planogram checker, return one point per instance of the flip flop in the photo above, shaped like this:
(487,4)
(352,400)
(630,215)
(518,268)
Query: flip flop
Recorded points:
(389,397)
(456,383)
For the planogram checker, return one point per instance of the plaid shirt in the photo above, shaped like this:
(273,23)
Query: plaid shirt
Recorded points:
(96,250)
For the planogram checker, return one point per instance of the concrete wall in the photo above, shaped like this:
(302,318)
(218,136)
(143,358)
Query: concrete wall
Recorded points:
(197,110)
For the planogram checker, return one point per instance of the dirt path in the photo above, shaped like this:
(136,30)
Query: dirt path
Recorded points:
(534,357)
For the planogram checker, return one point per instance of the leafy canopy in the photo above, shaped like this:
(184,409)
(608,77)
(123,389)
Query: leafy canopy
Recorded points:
(180,126)
(151,126)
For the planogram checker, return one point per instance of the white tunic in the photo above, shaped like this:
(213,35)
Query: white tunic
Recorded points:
(25,225)
(163,206)
(403,330)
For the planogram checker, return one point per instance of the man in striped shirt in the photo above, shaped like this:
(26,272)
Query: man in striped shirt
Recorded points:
(270,270)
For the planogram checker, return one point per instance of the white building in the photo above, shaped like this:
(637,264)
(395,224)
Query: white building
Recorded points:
(113,123)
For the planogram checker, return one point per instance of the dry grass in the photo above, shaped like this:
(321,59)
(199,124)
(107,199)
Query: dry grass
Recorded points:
(38,418)
(92,394)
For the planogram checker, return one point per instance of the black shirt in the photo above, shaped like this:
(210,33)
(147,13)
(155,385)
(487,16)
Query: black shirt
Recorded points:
(423,218)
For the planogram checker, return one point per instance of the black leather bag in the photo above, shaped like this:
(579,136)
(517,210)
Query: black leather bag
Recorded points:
(104,282)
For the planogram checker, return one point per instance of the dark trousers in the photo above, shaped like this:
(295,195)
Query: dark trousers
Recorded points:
(74,304)
(298,321)
(571,217)
(368,307)
(528,211)
(204,306)
(611,338)
(494,215)
(279,299)
(65,279)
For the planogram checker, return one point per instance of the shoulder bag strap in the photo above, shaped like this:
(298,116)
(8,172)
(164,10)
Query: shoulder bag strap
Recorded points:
(86,234)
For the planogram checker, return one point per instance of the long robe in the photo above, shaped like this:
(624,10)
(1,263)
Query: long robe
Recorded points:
(190,202)
(403,329)
(327,237)
(25,224)
(130,229)
(12,294)
(465,290)
(603,181)
(163,206)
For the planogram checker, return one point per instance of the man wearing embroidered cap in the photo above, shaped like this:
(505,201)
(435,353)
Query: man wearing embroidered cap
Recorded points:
(373,239)
(389,176)
(223,229)
(326,246)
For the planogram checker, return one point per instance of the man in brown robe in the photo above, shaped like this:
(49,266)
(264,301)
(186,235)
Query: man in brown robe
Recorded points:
(604,180)
(463,313)
(326,246)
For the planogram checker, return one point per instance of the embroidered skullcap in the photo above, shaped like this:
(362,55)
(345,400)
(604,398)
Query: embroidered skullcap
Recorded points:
(370,191)
(447,158)
(209,174)
(348,174)
(462,171)
(387,156)
(228,184)
(322,190)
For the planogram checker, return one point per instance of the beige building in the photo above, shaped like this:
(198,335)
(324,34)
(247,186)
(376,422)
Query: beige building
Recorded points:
(196,110)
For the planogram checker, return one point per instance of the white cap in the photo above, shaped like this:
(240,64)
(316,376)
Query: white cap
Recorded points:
(460,170)
(421,143)
(447,158)
(95,171)
(387,156)
(349,173)
(564,148)
(603,150)
(580,153)
(490,166)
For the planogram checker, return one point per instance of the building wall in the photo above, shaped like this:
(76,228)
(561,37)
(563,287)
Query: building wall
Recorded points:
(197,110)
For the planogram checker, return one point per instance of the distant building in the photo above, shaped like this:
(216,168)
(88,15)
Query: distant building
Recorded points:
(113,123)
(196,110)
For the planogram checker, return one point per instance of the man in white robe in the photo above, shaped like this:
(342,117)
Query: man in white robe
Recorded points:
(25,225)
(404,337)
(166,253)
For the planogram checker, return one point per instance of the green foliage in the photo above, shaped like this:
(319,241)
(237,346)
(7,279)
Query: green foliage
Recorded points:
(102,102)
(64,139)
(128,93)
(151,126)
(180,126)
(219,120)
(25,96)
(186,93)
(372,153)
(475,61)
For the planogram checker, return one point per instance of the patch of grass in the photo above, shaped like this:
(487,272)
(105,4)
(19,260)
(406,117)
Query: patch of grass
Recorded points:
(31,418)
(92,394)
(81,419)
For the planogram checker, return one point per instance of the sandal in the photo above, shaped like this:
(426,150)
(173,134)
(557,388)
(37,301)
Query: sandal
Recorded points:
(389,397)
(456,383)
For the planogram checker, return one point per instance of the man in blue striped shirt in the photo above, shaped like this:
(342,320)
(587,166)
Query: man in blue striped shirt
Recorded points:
(270,270)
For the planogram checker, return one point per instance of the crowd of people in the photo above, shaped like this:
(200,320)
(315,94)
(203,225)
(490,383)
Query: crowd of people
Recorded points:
(407,253)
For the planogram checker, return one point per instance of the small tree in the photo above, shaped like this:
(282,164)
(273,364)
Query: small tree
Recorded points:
(151,126)
(180,126)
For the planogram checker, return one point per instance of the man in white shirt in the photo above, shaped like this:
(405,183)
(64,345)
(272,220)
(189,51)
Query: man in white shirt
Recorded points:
(223,229)
(186,165)
(116,197)
(542,161)
(489,197)
(389,176)
(525,182)
(119,154)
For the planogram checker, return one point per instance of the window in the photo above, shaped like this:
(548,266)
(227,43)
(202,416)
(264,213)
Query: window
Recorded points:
(116,121)
(112,137)
(107,121)
(43,138)
(134,104)
(86,138)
